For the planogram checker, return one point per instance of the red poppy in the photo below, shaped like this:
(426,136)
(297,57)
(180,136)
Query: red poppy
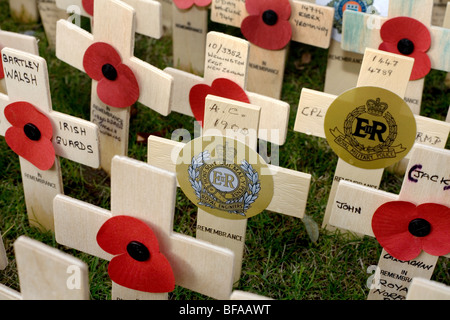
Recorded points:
(88,6)
(138,264)
(117,85)
(404,229)
(2,74)
(30,134)
(267,25)
(186,4)
(220,87)
(408,37)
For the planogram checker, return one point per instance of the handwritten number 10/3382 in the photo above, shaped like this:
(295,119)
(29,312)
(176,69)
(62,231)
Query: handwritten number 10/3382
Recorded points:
(221,49)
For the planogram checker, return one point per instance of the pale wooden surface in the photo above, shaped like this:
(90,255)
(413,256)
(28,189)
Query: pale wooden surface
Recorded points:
(197,265)
(41,186)
(361,31)
(50,14)
(424,289)
(17,41)
(310,117)
(155,85)
(361,203)
(45,273)
(25,11)
(274,117)
(189,29)
(3,257)
(242,295)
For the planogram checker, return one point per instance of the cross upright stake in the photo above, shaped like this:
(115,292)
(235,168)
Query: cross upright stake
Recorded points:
(189,29)
(228,119)
(40,142)
(3,257)
(25,11)
(227,58)
(45,273)
(424,289)
(426,182)
(113,31)
(16,41)
(147,193)
(310,24)
(362,31)
(314,105)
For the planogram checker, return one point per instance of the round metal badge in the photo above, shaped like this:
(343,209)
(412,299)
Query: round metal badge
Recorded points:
(370,127)
(224,177)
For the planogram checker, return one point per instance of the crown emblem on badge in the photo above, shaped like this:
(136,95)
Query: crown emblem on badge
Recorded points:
(376,107)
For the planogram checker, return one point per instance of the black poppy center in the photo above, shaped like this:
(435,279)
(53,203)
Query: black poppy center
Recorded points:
(405,46)
(270,17)
(419,227)
(109,72)
(32,132)
(138,251)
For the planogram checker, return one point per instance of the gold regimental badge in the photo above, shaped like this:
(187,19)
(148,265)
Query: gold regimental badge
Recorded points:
(224,177)
(370,127)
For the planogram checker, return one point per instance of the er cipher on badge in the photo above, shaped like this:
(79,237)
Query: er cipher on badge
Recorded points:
(224,177)
(370,127)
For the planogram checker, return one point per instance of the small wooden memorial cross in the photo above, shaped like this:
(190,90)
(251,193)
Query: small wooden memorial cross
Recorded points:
(141,191)
(269,27)
(50,14)
(314,105)
(39,135)
(148,14)
(3,257)
(226,122)
(406,30)
(227,58)
(46,273)
(424,289)
(16,41)
(189,29)
(423,201)
(25,11)
(119,78)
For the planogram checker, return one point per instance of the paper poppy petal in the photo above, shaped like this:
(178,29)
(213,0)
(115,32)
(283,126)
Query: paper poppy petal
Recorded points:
(422,65)
(186,4)
(220,87)
(96,56)
(2,73)
(88,6)
(390,227)
(395,29)
(117,232)
(121,92)
(154,275)
(40,153)
(274,37)
(257,7)
(437,243)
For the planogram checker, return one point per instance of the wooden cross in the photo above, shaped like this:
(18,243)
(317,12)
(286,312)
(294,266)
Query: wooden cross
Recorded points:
(75,139)
(3,257)
(362,31)
(115,26)
(25,11)
(148,15)
(313,106)
(17,41)
(426,181)
(46,273)
(424,289)
(50,14)
(311,24)
(149,194)
(189,29)
(227,57)
(290,188)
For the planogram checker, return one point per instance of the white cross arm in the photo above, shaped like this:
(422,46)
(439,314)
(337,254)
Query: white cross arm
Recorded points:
(361,31)
(148,14)
(290,187)
(313,106)
(268,124)
(424,289)
(19,41)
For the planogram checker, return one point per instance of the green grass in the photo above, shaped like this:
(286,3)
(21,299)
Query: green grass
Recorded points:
(280,260)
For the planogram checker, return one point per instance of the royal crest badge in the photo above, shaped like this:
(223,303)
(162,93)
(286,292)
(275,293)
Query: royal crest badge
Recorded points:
(370,127)
(224,177)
